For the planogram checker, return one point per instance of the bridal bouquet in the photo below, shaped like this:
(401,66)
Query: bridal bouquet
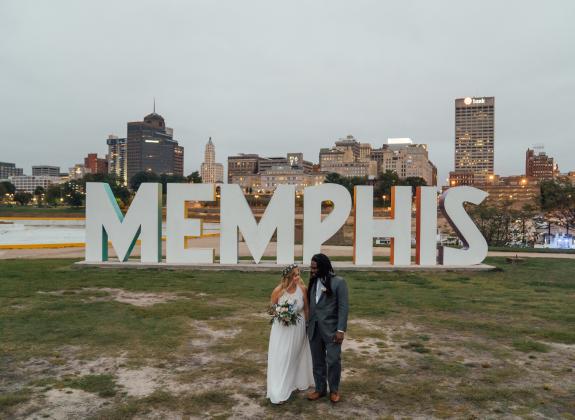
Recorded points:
(284,313)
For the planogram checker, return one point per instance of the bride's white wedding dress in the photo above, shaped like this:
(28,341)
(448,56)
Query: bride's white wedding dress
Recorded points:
(289,356)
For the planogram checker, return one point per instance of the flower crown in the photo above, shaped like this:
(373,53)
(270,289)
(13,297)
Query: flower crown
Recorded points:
(288,269)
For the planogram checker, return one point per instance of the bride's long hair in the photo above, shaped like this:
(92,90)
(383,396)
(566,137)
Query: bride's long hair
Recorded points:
(287,276)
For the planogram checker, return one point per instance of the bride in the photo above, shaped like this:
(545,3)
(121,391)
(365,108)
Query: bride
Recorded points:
(289,355)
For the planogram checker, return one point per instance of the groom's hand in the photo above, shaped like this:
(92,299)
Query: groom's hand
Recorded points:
(338,338)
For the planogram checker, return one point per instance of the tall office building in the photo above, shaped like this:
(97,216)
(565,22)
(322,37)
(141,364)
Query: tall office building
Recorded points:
(474,138)
(9,169)
(210,171)
(152,148)
(117,158)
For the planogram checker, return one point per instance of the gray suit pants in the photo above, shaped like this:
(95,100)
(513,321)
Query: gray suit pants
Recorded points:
(326,356)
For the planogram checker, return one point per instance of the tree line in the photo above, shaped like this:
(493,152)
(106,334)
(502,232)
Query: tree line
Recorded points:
(381,184)
(72,193)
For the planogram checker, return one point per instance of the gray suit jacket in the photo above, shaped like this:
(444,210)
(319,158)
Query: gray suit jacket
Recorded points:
(329,314)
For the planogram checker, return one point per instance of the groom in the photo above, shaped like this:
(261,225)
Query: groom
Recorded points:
(328,307)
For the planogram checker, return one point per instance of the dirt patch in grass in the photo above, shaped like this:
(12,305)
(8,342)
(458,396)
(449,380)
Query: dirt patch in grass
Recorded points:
(145,380)
(62,403)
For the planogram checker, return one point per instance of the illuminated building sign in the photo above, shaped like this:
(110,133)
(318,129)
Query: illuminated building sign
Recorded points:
(474,101)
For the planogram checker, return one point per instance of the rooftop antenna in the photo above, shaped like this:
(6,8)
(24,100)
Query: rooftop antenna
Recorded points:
(154,104)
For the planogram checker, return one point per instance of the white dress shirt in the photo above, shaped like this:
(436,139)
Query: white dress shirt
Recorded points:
(318,291)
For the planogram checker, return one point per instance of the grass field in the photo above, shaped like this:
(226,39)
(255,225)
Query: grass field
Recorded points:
(106,344)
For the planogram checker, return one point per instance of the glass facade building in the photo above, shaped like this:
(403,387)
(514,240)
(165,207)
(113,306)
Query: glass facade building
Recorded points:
(150,147)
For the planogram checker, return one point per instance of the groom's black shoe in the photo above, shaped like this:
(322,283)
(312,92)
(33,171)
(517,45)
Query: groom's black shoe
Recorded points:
(314,395)
(334,397)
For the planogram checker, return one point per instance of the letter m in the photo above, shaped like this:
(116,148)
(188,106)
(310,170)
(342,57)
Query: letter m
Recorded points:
(105,222)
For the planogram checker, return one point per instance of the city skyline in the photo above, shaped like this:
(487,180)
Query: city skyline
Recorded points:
(322,71)
(385,143)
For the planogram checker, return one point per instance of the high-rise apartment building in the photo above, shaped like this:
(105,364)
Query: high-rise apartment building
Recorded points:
(539,166)
(210,171)
(152,148)
(117,158)
(9,169)
(475,137)
(45,170)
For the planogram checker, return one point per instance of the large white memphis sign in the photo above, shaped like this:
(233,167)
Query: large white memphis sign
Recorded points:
(105,224)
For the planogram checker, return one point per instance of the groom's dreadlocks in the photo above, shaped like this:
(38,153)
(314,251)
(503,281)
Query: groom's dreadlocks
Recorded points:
(324,270)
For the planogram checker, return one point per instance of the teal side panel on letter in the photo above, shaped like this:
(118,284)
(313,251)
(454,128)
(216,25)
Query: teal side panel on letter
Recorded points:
(159,204)
(129,252)
(104,244)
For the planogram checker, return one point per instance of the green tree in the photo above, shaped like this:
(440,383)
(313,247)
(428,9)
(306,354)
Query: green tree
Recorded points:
(414,182)
(166,179)
(383,185)
(348,183)
(22,198)
(194,178)
(356,180)
(39,193)
(525,217)
(110,179)
(74,199)
(6,187)
(141,177)
(54,194)
(122,194)
(557,200)
(496,223)
(335,178)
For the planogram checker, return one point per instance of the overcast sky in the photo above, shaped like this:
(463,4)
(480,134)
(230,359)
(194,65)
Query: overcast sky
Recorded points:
(273,77)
